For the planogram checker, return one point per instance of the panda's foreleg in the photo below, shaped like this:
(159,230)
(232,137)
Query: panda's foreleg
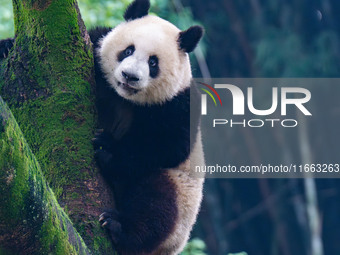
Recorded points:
(103,145)
(104,160)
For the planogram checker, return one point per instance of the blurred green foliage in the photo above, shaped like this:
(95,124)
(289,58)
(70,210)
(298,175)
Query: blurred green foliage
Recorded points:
(195,247)
(6,19)
(106,13)
(102,13)
(294,59)
(110,13)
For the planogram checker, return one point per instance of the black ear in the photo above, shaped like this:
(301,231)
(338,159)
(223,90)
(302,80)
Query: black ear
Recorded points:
(137,9)
(189,38)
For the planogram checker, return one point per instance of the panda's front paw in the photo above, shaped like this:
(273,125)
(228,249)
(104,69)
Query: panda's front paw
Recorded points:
(103,158)
(110,221)
(102,140)
(5,47)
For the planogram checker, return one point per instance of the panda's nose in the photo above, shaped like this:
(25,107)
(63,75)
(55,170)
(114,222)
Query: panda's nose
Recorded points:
(129,76)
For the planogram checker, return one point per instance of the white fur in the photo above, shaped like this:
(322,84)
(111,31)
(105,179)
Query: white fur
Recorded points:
(189,195)
(150,35)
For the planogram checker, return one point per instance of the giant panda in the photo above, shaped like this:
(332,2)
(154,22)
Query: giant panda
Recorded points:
(143,78)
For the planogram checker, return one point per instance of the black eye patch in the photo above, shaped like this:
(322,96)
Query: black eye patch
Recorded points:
(153,66)
(126,53)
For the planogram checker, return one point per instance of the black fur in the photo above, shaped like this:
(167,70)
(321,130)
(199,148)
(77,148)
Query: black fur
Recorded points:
(154,70)
(135,146)
(97,33)
(156,137)
(122,55)
(146,215)
(137,9)
(189,38)
(5,47)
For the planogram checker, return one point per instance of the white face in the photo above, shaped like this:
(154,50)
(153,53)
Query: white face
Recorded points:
(142,61)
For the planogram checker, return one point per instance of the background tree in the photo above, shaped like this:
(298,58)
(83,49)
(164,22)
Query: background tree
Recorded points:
(259,38)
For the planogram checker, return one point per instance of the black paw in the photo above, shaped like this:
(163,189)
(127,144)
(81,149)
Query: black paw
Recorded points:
(5,47)
(109,220)
(103,158)
(102,140)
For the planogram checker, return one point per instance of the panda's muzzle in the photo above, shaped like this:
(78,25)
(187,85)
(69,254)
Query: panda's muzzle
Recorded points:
(130,82)
(130,77)
(128,87)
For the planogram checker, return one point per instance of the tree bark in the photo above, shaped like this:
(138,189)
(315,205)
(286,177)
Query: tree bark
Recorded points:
(47,81)
(31,221)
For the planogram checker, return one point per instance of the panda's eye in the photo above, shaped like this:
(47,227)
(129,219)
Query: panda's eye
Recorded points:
(128,51)
(153,66)
(153,61)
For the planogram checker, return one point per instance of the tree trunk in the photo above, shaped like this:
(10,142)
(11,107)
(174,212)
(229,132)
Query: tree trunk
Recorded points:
(31,221)
(47,81)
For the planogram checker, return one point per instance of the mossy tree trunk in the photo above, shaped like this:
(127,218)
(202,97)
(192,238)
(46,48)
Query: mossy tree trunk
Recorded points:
(31,221)
(47,81)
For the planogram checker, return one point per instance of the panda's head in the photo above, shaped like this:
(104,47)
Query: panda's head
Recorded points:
(145,58)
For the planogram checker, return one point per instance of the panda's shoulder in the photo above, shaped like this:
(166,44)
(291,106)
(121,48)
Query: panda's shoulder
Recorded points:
(180,102)
(175,112)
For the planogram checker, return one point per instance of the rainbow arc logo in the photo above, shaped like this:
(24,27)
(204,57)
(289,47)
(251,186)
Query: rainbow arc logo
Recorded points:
(209,93)
(204,97)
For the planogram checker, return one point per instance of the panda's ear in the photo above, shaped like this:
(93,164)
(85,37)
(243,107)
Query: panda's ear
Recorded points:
(189,38)
(137,9)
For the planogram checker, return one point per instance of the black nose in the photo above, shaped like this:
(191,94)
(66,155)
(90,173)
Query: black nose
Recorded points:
(130,77)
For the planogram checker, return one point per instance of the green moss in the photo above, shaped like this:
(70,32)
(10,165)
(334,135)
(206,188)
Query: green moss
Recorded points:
(12,178)
(53,235)
(56,92)
(51,140)
(29,203)
(47,84)
(100,243)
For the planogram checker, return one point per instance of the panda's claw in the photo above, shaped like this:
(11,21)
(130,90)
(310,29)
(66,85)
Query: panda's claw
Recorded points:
(99,132)
(109,220)
(101,218)
(106,222)
(109,214)
(102,139)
